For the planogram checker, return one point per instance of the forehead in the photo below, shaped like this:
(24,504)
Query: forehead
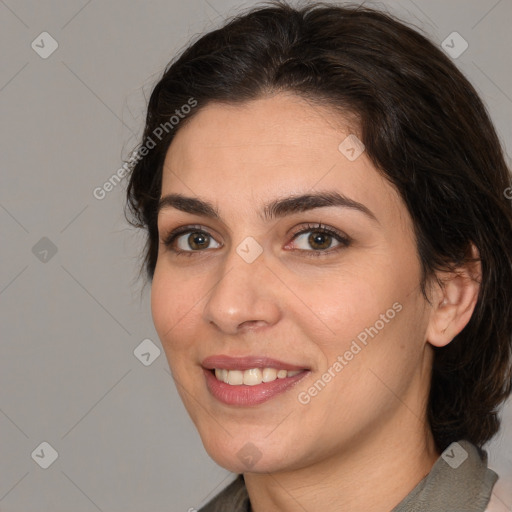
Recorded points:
(271,147)
(282,127)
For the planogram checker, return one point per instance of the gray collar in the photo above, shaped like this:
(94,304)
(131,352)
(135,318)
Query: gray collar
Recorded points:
(459,481)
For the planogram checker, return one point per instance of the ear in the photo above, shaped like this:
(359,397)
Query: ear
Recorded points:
(454,301)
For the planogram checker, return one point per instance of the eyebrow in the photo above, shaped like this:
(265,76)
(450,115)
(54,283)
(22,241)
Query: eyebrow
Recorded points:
(272,210)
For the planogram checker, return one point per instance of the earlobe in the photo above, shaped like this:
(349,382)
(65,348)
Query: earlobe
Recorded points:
(454,301)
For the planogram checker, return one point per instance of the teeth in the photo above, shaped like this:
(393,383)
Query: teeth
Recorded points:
(269,374)
(221,375)
(253,376)
(235,377)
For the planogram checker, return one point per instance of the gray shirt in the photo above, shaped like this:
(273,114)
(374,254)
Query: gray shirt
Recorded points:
(459,481)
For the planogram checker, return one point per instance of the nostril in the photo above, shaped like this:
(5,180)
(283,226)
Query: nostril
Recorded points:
(251,324)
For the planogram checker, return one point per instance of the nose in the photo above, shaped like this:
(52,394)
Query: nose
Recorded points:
(243,297)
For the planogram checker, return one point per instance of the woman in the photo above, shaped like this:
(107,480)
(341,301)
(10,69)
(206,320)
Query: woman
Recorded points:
(329,248)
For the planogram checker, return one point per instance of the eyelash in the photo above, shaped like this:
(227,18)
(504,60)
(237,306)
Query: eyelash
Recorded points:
(344,240)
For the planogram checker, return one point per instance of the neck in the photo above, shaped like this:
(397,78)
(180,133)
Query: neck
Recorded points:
(374,474)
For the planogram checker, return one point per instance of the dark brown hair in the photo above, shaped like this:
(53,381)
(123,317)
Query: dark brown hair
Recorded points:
(425,129)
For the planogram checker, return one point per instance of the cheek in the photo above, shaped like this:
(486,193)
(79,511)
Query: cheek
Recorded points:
(161,299)
(369,317)
(173,306)
(345,302)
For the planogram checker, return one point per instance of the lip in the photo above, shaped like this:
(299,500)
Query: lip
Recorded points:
(223,362)
(243,395)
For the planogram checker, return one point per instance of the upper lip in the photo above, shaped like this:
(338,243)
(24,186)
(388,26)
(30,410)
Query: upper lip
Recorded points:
(246,363)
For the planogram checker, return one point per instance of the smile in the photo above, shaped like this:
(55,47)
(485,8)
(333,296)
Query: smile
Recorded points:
(249,380)
(253,376)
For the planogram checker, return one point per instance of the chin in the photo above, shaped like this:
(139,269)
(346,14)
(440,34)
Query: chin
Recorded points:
(239,454)
(248,461)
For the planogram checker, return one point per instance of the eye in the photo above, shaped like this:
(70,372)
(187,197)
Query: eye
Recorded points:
(320,239)
(197,240)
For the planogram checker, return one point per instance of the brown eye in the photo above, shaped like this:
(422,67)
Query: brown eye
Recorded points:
(320,240)
(197,240)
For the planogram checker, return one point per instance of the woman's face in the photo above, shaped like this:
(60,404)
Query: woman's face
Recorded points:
(349,316)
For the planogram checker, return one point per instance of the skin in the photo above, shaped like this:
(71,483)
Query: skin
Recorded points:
(338,451)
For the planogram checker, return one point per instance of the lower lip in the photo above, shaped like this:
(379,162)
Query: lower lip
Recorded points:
(244,395)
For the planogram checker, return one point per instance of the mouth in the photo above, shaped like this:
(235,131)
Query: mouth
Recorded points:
(246,381)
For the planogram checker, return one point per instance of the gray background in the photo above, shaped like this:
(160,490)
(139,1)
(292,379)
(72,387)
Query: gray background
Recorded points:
(72,320)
